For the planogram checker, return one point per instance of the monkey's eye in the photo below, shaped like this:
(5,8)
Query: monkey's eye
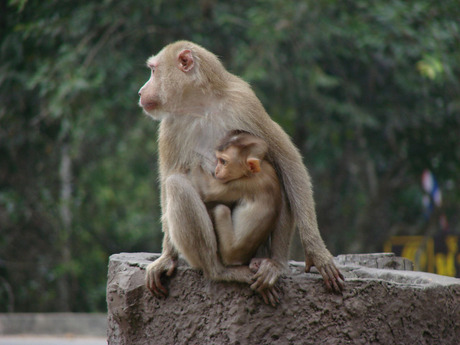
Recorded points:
(223,161)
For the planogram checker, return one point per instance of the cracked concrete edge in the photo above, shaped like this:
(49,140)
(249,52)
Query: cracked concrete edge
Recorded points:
(380,266)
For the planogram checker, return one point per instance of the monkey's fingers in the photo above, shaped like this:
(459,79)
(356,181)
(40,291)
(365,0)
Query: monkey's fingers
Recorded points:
(274,300)
(151,285)
(148,283)
(338,281)
(264,296)
(259,277)
(160,290)
(308,264)
(333,279)
(256,286)
(270,296)
(154,290)
(171,270)
(325,276)
(275,294)
(261,281)
(264,281)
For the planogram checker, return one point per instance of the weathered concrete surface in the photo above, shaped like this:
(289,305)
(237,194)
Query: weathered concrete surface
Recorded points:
(378,306)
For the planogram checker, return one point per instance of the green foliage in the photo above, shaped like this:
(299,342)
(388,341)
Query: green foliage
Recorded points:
(368,90)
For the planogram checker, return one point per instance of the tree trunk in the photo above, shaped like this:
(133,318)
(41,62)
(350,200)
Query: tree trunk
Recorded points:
(65,175)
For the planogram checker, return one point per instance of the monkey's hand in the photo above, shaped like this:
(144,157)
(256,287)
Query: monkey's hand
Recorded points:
(333,279)
(164,264)
(267,272)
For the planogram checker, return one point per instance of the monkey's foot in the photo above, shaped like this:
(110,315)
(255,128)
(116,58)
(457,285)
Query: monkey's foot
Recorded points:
(165,264)
(267,272)
(333,278)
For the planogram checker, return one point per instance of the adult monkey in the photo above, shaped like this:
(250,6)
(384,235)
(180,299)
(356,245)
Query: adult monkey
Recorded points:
(198,101)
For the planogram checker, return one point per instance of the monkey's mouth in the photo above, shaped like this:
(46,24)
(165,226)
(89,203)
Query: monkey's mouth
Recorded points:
(149,106)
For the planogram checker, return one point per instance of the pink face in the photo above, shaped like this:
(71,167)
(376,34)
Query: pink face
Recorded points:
(164,78)
(148,94)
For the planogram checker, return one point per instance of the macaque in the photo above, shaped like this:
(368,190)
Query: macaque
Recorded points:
(198,101)
(245,180)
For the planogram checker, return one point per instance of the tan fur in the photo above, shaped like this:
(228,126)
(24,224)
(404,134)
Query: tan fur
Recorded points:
(255,196)
(196,109)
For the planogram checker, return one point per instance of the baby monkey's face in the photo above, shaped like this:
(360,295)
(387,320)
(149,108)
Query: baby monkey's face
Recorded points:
(233,165)
(229,165)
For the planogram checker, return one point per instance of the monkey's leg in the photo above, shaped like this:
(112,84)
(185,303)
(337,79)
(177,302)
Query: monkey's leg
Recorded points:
(226,233)
(243,232)
(252,222)
(235,252)
(166,263)
(270,269)
(191,231)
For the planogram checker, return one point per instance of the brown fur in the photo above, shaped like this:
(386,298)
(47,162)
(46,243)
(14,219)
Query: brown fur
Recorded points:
(254,195)
(198,102)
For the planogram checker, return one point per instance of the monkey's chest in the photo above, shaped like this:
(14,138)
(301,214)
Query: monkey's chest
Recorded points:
(190,142)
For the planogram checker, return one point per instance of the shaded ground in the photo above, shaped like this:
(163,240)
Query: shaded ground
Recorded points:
(53,329)
(46,340)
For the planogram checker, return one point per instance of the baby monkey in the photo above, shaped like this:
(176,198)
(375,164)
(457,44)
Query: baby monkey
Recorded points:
(246,191)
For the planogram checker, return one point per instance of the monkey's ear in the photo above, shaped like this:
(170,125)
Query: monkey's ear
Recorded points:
(185,60)
(253,165)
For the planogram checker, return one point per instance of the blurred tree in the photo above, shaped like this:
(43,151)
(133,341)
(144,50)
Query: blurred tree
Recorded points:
(79,181)
(369,91)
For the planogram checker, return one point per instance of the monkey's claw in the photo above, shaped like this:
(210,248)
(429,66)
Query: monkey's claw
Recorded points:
(270,296)
(154,274)
(333,279)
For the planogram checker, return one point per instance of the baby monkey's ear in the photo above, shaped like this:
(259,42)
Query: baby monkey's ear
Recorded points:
(253,164)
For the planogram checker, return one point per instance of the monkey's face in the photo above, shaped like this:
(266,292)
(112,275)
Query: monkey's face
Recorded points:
(170,87)
(149,93)
(228,166)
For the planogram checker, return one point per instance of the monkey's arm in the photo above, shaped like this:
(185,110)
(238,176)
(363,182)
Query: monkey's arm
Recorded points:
(298,187)
(269,270)
(166,263)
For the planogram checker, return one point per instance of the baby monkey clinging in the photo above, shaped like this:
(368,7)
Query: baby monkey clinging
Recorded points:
(245,179)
